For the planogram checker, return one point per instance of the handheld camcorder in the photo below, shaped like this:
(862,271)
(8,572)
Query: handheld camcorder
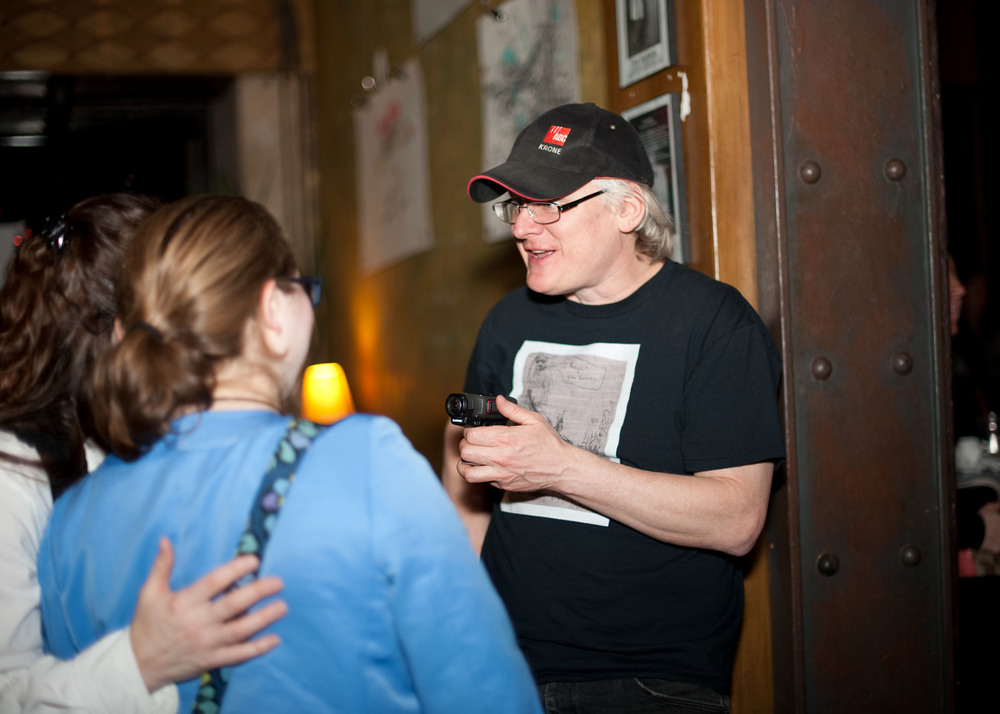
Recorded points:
(475,409)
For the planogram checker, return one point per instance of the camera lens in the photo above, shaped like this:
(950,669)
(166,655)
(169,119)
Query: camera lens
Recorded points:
(456,404)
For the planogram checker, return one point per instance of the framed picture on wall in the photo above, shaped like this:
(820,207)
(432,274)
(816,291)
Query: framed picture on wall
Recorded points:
(645,38)
(658,123)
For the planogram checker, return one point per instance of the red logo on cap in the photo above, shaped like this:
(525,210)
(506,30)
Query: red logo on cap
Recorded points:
(556,135)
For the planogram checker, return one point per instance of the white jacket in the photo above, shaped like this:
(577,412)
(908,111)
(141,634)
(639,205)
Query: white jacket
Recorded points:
(104,677)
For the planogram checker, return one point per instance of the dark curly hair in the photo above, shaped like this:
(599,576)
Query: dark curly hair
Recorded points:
(57,312)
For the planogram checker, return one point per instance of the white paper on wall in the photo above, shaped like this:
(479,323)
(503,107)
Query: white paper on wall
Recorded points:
(528,63)
(393,175)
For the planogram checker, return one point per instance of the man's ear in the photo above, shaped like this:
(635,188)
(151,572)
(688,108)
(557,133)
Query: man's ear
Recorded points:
(117,332)
(632,211)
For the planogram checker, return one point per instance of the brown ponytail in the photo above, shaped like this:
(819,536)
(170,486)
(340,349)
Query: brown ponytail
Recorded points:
(193,278)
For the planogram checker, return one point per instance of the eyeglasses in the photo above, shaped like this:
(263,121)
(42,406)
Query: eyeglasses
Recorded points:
(542,213)
(312,285)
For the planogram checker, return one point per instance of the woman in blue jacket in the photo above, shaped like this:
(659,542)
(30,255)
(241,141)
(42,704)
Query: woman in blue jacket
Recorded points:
(388,608)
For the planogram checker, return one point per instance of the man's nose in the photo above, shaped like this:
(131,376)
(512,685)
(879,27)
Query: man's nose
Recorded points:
(523,224)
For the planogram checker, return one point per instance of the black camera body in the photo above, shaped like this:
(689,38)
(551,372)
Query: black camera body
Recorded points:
(467,409)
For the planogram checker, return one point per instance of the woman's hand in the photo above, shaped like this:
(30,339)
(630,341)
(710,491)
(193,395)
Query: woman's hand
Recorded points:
(180,635)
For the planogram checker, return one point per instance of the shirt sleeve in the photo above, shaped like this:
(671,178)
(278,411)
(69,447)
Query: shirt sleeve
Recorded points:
(451,623)
(480,374)
(102,678)
(731,402)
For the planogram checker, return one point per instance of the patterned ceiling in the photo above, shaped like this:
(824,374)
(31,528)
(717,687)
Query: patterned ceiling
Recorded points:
(139,36)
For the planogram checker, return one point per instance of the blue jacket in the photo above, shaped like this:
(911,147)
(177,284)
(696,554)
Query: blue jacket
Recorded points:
(389,609)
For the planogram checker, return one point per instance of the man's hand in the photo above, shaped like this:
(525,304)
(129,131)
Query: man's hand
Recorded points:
(524,457)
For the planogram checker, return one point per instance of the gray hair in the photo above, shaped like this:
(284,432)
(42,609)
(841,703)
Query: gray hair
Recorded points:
(654,236)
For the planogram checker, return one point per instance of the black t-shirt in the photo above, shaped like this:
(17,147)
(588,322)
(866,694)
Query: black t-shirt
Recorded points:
(679,377)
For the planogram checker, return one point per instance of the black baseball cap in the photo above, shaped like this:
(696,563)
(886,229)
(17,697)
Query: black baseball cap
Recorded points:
(562,150)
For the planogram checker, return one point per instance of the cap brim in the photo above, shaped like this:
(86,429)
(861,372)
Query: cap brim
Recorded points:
(534,182)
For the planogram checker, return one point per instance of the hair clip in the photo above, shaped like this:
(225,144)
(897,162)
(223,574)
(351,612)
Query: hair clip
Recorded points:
(55,232)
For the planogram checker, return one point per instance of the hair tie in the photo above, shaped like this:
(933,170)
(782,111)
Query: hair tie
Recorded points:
(146,327)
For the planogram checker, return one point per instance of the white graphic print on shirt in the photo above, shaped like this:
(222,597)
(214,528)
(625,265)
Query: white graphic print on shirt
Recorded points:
(583,390)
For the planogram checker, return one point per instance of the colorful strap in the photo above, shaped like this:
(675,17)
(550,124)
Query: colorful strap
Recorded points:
(271,495)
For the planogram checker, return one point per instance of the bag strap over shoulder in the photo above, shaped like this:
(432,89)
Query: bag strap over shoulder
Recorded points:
(271,495)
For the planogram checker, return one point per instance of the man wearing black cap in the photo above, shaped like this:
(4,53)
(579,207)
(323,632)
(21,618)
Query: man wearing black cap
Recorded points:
(639,455)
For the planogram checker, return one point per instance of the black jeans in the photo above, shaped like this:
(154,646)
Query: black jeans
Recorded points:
(630,696)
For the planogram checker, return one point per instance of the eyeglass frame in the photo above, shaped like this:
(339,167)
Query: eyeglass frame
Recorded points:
(499,208)
(312,286)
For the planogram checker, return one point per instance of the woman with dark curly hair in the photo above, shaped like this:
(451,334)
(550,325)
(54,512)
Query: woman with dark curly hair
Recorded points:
(57,311)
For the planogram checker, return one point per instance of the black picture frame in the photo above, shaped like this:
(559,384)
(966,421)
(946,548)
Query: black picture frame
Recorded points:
(659,125)
(645,38)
